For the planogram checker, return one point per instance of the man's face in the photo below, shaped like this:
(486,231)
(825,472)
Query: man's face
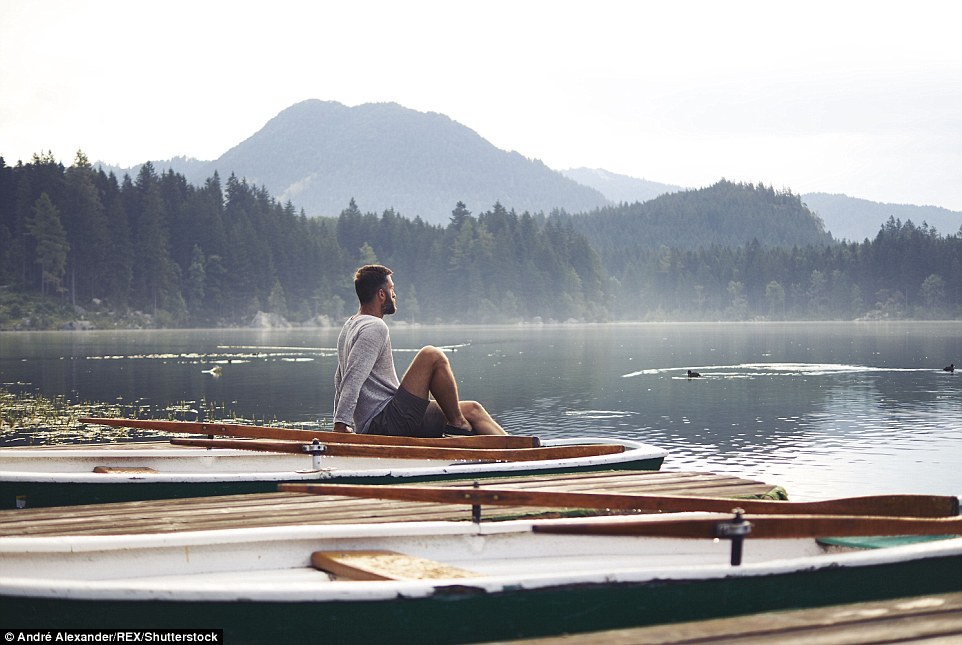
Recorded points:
(390,302)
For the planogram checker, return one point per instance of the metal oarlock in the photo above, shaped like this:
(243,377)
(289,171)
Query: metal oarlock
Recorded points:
(315,449)
(735,530)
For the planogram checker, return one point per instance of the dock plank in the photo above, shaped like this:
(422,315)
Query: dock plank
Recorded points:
(286,509)
(931,619)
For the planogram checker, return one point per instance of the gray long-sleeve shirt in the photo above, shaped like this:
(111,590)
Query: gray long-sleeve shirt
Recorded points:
(365,379)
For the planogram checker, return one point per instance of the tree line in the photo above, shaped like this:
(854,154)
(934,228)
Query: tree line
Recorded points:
(177,254)
(218,253)
(905,272)
(736,251)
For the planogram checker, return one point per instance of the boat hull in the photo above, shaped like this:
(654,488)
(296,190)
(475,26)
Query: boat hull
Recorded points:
(609,583)
(65,477)
(464,616)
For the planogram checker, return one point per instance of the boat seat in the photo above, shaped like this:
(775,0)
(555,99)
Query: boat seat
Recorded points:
(383,565)
(123,471)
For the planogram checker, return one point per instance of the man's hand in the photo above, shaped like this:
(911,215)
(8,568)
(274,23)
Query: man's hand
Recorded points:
(342,427)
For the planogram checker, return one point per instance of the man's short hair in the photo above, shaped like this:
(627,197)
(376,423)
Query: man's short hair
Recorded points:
(368,279)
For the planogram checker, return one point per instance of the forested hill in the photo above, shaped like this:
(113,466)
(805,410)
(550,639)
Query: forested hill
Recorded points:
(156,250)
(726,215)
(321,154)
(846,218)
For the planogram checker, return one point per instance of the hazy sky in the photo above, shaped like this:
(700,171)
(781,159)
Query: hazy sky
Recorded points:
(862,98)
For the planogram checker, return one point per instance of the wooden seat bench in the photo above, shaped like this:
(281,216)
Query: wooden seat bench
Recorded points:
(383,565)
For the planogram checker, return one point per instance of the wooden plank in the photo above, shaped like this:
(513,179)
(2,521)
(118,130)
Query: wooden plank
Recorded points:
(934,619)
(650,481)
(643,479)
(268,432)
(411,452)
(282,509)
(627,481)
(162,517)
(311,510)
(605,481)
(276,510)
(384,565)
(630,482)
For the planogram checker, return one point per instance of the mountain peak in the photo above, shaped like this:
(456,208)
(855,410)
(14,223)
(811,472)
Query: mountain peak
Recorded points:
(321,154)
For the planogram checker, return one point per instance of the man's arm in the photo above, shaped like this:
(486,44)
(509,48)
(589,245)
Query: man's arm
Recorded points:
(357,367)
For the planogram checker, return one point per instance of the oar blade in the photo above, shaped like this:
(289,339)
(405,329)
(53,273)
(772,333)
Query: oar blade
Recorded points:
(891,505)
(901,505)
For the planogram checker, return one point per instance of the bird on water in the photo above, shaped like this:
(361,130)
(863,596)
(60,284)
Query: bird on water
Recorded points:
(693,374)
(950,368)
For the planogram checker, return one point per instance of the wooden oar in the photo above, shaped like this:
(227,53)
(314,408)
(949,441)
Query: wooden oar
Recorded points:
(764,526)
(902,505)
(262,432)
(412,452)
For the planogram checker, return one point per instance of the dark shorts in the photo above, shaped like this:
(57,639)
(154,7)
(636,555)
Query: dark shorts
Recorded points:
(407,415)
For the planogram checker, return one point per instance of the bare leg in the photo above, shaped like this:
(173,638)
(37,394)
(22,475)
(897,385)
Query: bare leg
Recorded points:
(480,420)
(430,374)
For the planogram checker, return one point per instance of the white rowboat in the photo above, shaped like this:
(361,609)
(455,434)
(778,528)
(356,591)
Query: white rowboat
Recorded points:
(51,476)
(441,582)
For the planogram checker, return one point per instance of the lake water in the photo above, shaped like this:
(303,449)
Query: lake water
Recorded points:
(823,409)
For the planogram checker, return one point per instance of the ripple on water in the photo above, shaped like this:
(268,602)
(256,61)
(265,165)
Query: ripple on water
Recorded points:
(599,414)
(756,370)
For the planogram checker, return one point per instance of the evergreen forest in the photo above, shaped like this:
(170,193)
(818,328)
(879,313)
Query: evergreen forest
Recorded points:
(156,251)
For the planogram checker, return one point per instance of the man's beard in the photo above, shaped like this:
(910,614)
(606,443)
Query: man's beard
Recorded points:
(389,307)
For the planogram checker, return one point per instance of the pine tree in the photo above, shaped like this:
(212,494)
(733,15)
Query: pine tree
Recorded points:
(86,223)
(52,246)
(154,272)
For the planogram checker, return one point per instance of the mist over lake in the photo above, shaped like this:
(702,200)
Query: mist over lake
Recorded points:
(823,409)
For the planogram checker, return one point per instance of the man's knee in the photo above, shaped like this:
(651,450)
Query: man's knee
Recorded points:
(431,354)
(472,410)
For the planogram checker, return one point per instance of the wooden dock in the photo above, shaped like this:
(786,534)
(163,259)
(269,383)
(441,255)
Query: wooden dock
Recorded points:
(284,509)
(934,619)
